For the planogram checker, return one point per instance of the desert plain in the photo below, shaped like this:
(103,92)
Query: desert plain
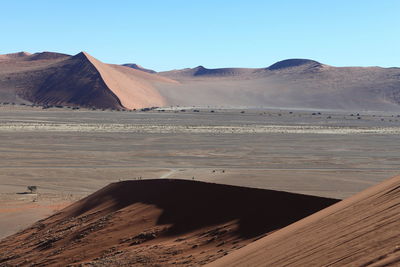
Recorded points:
(69,154)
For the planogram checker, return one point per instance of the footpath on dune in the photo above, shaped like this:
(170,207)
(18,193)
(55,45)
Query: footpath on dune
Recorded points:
(363,230)
(160,221)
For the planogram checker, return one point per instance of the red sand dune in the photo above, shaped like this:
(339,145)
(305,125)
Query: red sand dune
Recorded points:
(157,222)
(363,230)
(57,79)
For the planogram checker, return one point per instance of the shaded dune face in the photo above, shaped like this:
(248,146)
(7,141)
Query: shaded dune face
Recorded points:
(74,81)
(153,218)
(189,205)
(363,230)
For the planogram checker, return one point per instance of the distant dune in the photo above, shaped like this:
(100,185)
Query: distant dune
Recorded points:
(47,56)
(138,67)
(15,56)
(292,63)
(157,222)
(57,79)
(49,78)
(294,83)
(201,71)
(363,230)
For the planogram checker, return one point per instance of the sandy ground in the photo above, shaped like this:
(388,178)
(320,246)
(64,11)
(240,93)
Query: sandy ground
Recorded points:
(70,154)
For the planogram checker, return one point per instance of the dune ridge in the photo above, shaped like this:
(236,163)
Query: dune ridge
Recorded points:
(159,221)
(362,230)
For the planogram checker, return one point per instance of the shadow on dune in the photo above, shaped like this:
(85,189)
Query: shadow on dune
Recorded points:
(191,205)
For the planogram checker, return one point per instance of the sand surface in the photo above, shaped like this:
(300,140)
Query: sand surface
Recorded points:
(74,161)
(362,230)
(157,222)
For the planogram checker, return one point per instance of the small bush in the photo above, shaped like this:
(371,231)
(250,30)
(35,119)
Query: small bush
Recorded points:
(32,188)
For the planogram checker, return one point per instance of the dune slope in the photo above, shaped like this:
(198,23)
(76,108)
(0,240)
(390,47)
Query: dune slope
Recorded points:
(363,230)
(161,221)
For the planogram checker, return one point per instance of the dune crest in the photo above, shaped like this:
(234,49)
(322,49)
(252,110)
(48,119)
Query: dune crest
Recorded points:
(362,230)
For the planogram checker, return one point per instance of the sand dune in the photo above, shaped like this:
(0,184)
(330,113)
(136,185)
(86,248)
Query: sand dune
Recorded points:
(202,72)
(15,56)
(294,83)
(292,63)
(363,230)
(138,67)
(158,221)
(47,56)
(132,87)
(57,79)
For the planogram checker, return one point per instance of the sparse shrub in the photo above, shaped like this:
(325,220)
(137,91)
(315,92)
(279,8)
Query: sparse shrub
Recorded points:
(32,189)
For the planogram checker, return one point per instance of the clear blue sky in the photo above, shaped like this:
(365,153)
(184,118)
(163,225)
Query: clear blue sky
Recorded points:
(169,34)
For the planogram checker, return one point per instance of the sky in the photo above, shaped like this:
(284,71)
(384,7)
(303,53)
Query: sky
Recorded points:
(175,34)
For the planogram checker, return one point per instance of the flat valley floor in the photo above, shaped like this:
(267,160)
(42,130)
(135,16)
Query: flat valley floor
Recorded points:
(69,154)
